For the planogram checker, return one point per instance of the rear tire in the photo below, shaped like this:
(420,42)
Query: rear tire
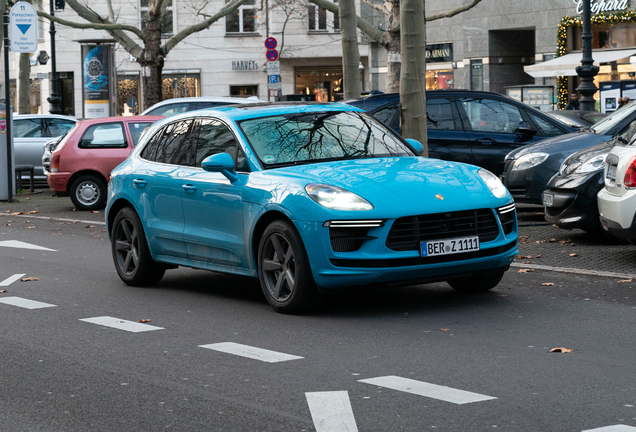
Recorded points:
(88,193)
(130,251)
(479,282)
(284,270)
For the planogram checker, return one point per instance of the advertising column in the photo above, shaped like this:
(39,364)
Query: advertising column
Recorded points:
(96,81)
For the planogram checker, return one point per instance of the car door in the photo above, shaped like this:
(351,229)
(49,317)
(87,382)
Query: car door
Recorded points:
(157,188)
(28,144)
(492,126)
(213,206)
(446,137)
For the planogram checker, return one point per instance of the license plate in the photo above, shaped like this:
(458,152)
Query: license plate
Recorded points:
(548,199)
(449,246)
(611,172)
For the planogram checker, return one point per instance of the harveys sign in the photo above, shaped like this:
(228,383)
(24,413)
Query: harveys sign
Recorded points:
(598,6)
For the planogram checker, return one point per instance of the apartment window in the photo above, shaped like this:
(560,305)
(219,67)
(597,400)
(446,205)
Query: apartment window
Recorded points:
(476,75)
(167,20)
(322,20)
(243,19)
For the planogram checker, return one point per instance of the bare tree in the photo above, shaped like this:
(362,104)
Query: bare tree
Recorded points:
(350,52)
(144,44)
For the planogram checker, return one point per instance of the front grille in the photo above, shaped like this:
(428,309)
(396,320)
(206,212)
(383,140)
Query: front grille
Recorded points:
(347,239)
(519,190)
(408,232)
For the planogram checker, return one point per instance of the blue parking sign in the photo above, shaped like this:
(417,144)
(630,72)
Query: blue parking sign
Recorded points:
(273,79)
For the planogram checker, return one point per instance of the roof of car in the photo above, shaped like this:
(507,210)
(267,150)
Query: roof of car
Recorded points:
(127,119)
(27,116)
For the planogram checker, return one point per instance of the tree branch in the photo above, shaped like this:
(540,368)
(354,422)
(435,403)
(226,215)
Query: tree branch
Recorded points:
(377,7)
(452,13)
(95,26)
(225,10)
(374,33)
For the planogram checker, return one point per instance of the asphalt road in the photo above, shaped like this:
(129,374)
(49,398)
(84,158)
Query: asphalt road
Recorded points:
(401,359)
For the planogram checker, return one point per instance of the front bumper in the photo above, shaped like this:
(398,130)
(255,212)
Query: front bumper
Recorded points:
(574,200)
(527,185)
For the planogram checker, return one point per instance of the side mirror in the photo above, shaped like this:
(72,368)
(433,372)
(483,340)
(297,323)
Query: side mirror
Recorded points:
(419,148)
(525,128)
(221,162)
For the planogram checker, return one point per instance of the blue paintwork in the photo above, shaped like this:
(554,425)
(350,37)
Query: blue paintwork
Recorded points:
(207,221)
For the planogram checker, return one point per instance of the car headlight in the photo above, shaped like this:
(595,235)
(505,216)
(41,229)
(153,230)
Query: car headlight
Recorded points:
(336,198)
(494,184)
(529,161)
(593,164)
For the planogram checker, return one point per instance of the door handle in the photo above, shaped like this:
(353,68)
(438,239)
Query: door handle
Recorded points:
(139,182)
(189,188)
(486,141)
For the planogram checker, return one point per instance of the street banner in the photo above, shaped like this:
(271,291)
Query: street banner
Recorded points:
(96,81)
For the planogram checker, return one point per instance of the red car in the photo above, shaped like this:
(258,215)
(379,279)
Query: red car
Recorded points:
(82,162)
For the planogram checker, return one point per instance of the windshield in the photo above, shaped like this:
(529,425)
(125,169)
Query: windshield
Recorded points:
(297,138)
(604,126)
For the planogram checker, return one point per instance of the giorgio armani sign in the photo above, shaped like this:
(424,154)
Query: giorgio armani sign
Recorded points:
(599,6)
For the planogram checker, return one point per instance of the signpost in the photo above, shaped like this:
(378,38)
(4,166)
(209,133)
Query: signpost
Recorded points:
(24,28)
(274,85)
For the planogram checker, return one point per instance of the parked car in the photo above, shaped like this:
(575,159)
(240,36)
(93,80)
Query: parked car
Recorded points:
(81,163)
(30,133)
(617,199)
(529,169)
(307,198)
(170,107)
(480,128)
(577,118)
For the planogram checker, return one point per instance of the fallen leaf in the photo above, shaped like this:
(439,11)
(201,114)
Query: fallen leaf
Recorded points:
(73,209)
(527,262)
(540,241)
(3,291)
(28,279)
(561,350)
(538,256)
(103,230)
(94,211)
(525,270)
(143,321)
(89,226)
(627,280)
(32,212)
(31,227)
(444,329)
(547,284)
(523,256)
(56,233)
(574,254)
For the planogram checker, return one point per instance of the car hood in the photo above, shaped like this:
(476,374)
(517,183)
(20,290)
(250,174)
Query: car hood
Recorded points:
(396,186)
(565,144)
(577,159)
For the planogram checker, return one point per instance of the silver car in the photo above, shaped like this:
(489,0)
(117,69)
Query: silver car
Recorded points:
(31,132)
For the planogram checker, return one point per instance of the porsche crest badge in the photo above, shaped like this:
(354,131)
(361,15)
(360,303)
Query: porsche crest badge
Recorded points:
(439,197)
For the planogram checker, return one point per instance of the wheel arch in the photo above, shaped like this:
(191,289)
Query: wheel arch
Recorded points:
(114,209)
(265,219)
(79,174)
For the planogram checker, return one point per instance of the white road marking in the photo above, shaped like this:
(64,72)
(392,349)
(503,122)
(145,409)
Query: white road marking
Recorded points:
(251,352)
(25,303)
(54,219)
(331,411)
(434,391)
(22,245)
(575,271)
(615,428)
(121,324)
(11,279)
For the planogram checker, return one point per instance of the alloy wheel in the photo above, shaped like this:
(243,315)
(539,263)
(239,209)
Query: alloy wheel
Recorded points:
(126,246)
(279,267)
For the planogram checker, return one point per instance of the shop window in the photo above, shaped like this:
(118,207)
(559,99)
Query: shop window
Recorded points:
(440,79)
(476,75)
(325,82)
(167,20)
(243,19)
(180,85)
(128,94)
(606,36)
(322,20)
(244,91)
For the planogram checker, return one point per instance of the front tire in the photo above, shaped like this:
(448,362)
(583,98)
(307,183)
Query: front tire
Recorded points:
(88,193)
(130,251)
(284,270)
(479,282)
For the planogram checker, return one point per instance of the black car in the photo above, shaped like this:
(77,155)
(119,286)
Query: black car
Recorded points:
(528,170)
(479,128)
(570,200)
(577,118)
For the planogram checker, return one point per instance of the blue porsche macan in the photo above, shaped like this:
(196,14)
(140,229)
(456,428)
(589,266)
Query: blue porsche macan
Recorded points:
(308,198)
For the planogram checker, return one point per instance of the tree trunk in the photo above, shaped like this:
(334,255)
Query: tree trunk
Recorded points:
(413,79)
(394,58)
(23,84)
(151,61)
(350,52)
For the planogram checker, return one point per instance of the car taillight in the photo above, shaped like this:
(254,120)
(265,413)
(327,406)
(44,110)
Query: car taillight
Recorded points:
(630,174)
(55,163)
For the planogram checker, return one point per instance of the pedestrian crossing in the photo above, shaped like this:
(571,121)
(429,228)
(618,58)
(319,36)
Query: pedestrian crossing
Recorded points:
(331,411)
(121,324)
(25,303)
(251,352)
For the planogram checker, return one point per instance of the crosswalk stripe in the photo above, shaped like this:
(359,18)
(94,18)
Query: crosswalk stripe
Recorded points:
(331,411)
(22,245)
(251,352)
(121,324)
(615,428)
(24,303)
(8,281)
(433,391)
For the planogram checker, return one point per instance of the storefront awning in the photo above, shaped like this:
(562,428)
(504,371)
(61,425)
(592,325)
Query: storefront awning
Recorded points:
(566,65)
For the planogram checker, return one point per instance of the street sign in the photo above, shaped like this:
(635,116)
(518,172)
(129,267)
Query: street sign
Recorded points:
(273,68)
(273,79)
(272,55)
(273,93)
(275,86)
(23,21)
(270,43)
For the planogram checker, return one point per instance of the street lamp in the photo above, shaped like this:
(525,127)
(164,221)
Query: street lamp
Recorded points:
(587,71)
(54,100)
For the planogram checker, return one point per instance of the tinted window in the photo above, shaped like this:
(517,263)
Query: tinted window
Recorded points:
(136,129)
(27,128)
(176,143)
(439,114)
(545,127)
(57,127)
(386,114)
(153,151)
(170,109)
(214,137)
(203,105)
(488,115)
(104,135)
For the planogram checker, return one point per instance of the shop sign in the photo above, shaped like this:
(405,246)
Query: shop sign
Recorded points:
(244,65)
(439,52)
(598,6)
(96,81)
